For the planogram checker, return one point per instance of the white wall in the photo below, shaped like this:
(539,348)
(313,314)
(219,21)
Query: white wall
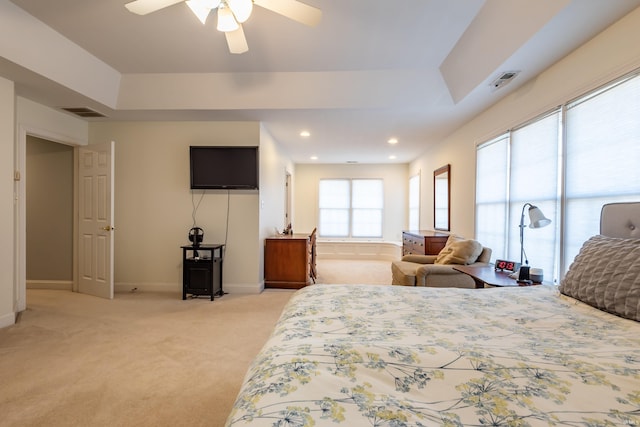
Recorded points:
(274,166)
(395,176)
(154,205)
(612,53)
(7,115)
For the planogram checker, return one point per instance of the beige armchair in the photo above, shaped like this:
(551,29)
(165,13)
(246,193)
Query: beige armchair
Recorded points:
(437,270)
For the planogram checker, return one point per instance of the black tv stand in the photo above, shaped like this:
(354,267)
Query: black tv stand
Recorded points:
(202,270)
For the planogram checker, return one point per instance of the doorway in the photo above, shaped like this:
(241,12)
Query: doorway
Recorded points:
(49,178)
(25,133)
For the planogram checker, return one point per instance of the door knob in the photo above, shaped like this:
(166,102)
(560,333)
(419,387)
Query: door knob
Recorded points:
(107,228)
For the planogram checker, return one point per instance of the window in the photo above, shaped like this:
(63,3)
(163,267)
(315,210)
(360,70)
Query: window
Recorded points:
(491,195)
(568,176)
(603,158)
(534,179)
(518,168)
(414,202)
(350,208)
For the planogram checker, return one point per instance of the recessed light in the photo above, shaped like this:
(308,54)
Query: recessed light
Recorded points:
(305,134)
(392,157)
(314,157)
(393,140)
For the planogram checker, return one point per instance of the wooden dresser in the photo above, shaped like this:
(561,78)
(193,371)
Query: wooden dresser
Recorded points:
(423,242)
(287,261)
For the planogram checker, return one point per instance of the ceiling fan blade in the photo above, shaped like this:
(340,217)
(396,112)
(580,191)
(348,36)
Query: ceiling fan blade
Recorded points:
(142,7)
(293,9)
(236,41)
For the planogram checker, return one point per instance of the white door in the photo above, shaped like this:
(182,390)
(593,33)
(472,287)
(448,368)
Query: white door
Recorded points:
(95,219)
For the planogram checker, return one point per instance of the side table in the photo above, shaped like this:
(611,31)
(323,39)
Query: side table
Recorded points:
(202,270)
(488,276)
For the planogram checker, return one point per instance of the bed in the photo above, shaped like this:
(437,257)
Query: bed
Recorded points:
(371,355)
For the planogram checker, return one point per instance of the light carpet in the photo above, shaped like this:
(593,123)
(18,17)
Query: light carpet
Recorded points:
(374,272)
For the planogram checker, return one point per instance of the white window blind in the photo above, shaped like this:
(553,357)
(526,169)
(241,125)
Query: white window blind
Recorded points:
(350,207)
(491,194)
(603,158)
(367,207)
(335,203)
(514,169)
(414,202)
(534,179)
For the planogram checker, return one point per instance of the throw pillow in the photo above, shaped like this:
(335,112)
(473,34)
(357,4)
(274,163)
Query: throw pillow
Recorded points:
(606,275)
(460,252)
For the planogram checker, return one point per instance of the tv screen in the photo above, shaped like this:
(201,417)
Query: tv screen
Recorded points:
(229,168)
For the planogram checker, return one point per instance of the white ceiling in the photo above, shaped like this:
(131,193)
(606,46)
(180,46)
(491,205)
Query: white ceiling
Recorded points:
(371,70)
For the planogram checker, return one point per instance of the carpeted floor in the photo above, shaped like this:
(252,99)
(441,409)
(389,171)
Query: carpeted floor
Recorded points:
(142,359)
(354,272)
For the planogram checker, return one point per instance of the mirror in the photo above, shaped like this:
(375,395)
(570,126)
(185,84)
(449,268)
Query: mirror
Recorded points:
(441,198)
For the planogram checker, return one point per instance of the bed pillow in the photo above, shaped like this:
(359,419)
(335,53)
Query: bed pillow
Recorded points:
(606,275)
(460,252)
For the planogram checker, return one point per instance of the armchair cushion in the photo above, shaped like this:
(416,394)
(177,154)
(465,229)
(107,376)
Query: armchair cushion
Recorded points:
(460,252)
(420,259)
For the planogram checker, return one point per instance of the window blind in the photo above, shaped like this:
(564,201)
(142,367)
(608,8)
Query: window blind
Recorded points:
(602,158)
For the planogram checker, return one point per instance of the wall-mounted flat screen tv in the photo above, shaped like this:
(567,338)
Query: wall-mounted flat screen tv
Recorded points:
(224,168)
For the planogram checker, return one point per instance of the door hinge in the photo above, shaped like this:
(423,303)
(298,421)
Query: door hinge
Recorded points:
(16,176)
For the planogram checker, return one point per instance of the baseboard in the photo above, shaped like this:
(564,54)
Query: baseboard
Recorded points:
(148,287)
(7,320)
(361,250)
(231,288)
(243,288)
(57,285)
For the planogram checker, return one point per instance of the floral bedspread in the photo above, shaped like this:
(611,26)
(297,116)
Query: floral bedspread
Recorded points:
(367,355)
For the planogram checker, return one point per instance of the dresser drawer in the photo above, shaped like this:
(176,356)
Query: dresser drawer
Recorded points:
(423,242)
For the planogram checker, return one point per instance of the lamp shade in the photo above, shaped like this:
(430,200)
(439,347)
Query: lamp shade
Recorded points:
(537,218)
(226,21)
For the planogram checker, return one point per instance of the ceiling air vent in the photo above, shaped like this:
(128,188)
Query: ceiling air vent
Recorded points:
(503,79)
(83,112)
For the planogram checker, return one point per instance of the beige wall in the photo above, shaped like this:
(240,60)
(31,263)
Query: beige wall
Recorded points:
(274,166)
(7,116)
(395,176)
(154,205)
(49,181)
(612,53)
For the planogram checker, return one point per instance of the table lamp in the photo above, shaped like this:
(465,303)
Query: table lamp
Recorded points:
(536,220)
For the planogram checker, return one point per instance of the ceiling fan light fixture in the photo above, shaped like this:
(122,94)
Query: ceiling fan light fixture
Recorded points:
(211,4)
(241,9)
(200,8)
(226,20)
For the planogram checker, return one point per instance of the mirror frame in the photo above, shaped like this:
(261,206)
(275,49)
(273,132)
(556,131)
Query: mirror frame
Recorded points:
(438,175)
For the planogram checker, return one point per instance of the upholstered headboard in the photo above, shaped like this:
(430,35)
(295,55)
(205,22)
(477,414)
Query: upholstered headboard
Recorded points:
(606,272)
(620,220)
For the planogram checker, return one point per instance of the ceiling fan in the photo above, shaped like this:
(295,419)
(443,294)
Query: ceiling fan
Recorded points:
(232,13)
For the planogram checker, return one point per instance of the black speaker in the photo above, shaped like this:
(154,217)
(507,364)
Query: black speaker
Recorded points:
(196,235)
(523,276)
